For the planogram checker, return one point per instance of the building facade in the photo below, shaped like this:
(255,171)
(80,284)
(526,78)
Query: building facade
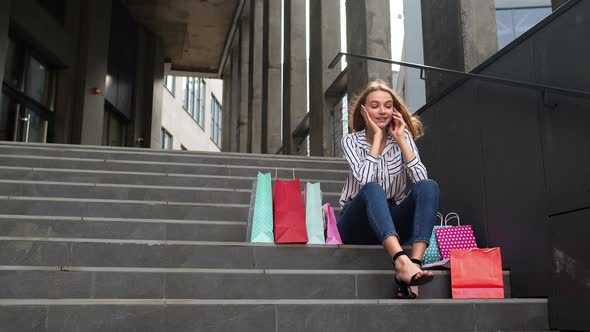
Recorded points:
(191,114)
(91,72)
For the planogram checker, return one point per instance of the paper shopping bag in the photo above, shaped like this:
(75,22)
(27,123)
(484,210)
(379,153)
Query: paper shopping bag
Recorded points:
(477,274)
(432,253)
(455,237)
(332,233)
(313,214)
(289,212)
(260,216)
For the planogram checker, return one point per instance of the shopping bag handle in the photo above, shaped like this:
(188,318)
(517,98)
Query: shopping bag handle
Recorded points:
(440,217)
(277,172)
(452,215)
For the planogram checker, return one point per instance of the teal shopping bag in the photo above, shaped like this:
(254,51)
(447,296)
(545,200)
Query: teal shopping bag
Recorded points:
(314,220)
(432,253)
(262,215)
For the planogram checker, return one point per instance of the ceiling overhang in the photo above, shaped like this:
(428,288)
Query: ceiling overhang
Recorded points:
(195,34)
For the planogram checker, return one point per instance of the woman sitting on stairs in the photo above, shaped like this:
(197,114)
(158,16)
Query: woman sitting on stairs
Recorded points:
(377,207)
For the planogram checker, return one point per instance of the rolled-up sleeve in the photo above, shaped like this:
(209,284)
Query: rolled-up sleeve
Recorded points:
(363,168)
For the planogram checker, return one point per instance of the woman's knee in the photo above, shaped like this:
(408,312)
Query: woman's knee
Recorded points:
(427,186)
(372,188)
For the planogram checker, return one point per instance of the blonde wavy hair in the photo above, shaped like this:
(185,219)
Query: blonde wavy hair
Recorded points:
(357,122)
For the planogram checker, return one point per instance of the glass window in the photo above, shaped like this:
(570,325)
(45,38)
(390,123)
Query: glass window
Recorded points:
(185,92)
(13,67)
(37,128)
(26,77)
(200,90)
(166,141)
(169,83)
(504,27)
(197,106)
(191,101)
(511,23)
(114,131)
(38,82)
(201,119)
(524,19)
(215,120)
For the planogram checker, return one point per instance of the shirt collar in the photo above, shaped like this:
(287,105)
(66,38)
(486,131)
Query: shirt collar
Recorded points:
(362,137)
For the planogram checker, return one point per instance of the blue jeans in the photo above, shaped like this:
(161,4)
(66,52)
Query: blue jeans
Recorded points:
(368,219)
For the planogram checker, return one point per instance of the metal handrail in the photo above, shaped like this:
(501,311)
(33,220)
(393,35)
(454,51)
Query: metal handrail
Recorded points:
(461,73)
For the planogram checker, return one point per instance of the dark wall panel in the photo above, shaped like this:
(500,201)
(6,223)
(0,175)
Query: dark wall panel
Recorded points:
(515,197)
(428,146)
(570,301)
(535,162)
(561,50)
(461,160)
(566,141)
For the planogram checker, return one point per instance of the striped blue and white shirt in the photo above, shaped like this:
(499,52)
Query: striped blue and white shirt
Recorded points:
(389,170)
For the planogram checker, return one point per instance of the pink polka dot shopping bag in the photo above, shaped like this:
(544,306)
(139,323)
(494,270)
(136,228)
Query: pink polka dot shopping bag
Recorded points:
(455,237)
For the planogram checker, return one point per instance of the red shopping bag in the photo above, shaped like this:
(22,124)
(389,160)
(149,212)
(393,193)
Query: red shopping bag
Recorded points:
(477,274)
(289,212)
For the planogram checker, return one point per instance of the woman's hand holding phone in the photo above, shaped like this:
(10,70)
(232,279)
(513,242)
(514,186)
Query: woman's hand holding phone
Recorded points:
(397,126)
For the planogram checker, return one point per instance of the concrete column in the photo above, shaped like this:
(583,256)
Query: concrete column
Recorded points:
(155,82)
(255,108)
(4,23)
(324,19)
(136,135)
(96,33)
(457,34)
(235,98)
(68,80)
(368,31)
(244,83)
(294,72)
(274,105)
(226,107)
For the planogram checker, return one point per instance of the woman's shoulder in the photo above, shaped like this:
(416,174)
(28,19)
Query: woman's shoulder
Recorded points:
(355,136)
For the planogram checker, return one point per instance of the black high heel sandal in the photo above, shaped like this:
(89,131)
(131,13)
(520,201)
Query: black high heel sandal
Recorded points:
(404,287)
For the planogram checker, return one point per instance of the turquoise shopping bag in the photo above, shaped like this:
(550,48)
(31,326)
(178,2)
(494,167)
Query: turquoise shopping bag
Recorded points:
(314,220)
(432,253)
(262,215)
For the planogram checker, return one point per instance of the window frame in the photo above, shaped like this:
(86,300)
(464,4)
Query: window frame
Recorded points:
(170,88)
(165,134)
(215,134)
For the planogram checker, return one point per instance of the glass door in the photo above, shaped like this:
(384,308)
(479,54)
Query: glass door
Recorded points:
(27,99)
(21,123)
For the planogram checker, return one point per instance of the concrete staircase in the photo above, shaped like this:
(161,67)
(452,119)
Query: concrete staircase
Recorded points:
(111,239)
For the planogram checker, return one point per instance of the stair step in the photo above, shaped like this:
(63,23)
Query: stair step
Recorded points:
(44,251)
(55,206)
(113,208)
(117,228)
(173,315)
(134,192)
(170,167)
(145,178)
(57,282)
(164,156)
